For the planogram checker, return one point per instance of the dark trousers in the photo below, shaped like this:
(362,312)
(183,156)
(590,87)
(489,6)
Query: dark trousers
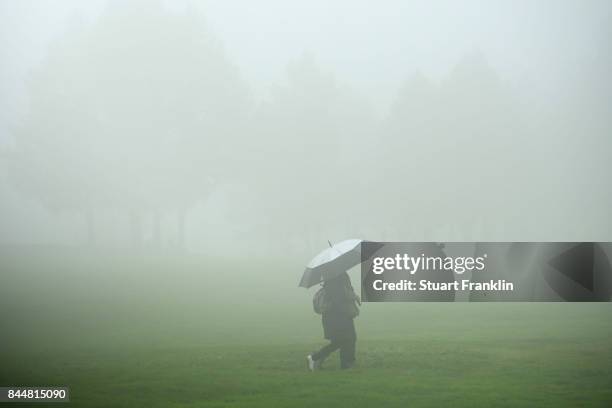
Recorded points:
(347,351)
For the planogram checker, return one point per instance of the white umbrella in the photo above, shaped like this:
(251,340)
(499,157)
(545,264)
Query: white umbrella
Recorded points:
(336,259)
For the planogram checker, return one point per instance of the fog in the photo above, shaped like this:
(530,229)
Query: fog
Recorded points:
(260,128)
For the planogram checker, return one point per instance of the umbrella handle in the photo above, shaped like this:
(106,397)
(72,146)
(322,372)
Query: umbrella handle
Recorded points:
(330,244)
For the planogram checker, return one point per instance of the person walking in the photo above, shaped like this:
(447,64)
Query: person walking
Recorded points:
(338,326)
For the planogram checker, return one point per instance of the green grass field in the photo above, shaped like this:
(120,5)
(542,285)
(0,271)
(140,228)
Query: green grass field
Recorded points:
(186,331)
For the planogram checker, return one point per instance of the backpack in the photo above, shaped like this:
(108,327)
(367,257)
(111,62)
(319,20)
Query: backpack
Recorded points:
(320,303)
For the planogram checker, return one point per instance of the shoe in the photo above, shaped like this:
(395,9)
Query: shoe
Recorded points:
(312,363)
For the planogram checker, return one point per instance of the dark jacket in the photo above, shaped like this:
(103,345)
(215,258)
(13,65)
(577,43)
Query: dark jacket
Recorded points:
(338,319)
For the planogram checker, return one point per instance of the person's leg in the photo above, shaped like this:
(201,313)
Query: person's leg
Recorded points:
(325,351)
(347,352)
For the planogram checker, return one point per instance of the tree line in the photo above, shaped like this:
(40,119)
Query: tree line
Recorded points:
(144,112)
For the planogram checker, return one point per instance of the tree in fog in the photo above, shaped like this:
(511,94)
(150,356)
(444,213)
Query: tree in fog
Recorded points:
(454,147)
(136,112)
(311,132)
(403,171)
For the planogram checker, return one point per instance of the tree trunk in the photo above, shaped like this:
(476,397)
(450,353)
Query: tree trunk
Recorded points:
(136,227)
(91,227)
(157,229)
(181,229)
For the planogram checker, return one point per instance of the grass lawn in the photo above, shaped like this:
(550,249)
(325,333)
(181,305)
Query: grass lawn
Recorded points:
(185,331)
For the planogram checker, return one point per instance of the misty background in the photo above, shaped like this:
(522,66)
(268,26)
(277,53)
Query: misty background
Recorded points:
(263,127)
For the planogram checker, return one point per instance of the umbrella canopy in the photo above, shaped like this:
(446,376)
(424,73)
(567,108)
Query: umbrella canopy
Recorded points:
(333,261)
